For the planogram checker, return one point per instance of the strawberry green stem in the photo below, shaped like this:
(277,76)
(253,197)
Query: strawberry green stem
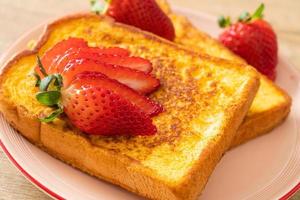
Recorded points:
(258,14)
(40,65)
(224,22)
(50,91)
(244,17)
(38,79)
(48,98)
(53,115)
(99,6)
(56,79)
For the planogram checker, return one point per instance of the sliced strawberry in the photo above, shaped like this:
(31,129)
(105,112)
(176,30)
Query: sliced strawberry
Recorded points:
(101,106)
(136,63)
(97,79)
(137,80)
(110,51)
(55,53)
(98,105)
(69,46)
(89,53)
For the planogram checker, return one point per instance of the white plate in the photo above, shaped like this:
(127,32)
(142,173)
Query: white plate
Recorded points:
(265,168)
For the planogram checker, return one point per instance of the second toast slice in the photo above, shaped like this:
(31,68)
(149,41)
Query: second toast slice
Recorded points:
(271,104)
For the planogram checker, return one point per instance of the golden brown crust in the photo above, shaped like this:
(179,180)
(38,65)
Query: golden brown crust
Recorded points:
(76,150)
(17,116)
(14,59)
(148,35)
(120,170)
(263,122)
(208,162)
(50,26)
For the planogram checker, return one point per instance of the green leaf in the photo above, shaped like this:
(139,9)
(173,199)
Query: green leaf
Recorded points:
(45,82)
(41,67)
(224,22)
(48,98)
(221,21)
(58,81)
(99,6)
(52,116)
(258,14)
(38,80)
(244,17)
(96,6)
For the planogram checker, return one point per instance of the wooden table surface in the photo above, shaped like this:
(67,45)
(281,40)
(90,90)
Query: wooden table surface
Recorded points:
(18,16)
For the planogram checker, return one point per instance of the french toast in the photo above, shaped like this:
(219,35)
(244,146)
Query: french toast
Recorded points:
(271,104)
(205,100)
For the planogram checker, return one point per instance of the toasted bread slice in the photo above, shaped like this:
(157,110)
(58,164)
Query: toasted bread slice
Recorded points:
(205,100)
(271,104)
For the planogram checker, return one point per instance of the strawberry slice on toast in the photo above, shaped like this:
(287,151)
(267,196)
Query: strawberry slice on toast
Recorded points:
(137,80)
(99,105)
(106,57)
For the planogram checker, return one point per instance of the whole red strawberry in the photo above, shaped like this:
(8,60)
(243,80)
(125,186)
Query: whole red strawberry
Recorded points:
(253,39)
(144,14)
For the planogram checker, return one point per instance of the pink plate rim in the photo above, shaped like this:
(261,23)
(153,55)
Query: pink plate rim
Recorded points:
(28,176)
(58,197)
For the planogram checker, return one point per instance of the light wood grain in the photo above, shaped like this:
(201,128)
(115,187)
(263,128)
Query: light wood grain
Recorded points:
(18,16)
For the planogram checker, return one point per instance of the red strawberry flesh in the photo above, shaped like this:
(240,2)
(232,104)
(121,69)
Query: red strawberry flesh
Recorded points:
(110,51)
(95,79)
(144,14)
(65,47)
(253,42)
(100,106)
(137,80)
(136,63)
